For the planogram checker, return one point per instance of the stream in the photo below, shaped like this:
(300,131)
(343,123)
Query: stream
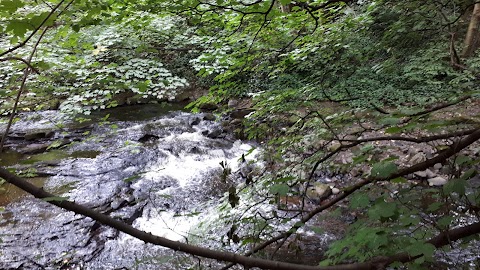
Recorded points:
(155,167)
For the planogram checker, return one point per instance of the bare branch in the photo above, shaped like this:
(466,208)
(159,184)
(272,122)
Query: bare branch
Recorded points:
(415,140)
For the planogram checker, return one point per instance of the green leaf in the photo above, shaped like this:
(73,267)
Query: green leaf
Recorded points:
(409,221)
(444,222)
(326,262)
(392,130)
(10,6)
(76,28)
(460,160)
(37,20)
(399,180)
(383,169)
(455,186)
(143,86)
(280,189)
(367,148)
(421,248)
(131,178)
(55,199)
(285,2)
(468,174)
(18,28)
(383,211)
(434,206)
(386,209)
(359,200)
(55,144)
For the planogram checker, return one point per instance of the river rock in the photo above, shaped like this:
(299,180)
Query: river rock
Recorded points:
(208,106)
(437,181)
(35,148)
(232,103)
(36,134)
(148,137)
(425,174)
(213,134)
(437,166)
(318,192)
(240,113)
(335,191)
(117,203)
(474,181)
(195,121)
(209,117)
(418,157)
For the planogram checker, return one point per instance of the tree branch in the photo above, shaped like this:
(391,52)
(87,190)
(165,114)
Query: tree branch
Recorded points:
(21,44)
(21,60)
(415,140)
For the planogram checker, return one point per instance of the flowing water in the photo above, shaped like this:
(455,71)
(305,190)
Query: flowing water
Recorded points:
(155,167)
(157,170)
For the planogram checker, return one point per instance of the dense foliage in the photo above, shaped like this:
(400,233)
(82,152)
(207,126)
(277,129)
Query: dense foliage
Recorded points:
(333,85)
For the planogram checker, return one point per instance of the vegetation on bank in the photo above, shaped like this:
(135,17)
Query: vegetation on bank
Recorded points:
(374,92)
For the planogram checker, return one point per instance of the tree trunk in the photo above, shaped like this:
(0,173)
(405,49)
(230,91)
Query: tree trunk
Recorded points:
(472,40)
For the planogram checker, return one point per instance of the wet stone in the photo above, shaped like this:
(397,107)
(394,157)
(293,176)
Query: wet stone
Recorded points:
(209,117)
(36,135)
(195,121)
(36,148)
(148,137)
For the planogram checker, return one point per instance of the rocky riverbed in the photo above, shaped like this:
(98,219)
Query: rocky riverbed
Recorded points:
(158,170)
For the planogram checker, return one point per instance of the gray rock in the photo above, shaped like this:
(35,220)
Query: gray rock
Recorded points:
(430,174)
(240,113)
(209,117)
(117,203)
(148,137)
(213,134)
(208,106)
(437,166)
(335,191)
(236,122)
(318,192)
(232,103)
(195,121)
(474,181)
(36,135)
(35,148)
(437,181)
(421,174)
(417,158)
(425,174)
